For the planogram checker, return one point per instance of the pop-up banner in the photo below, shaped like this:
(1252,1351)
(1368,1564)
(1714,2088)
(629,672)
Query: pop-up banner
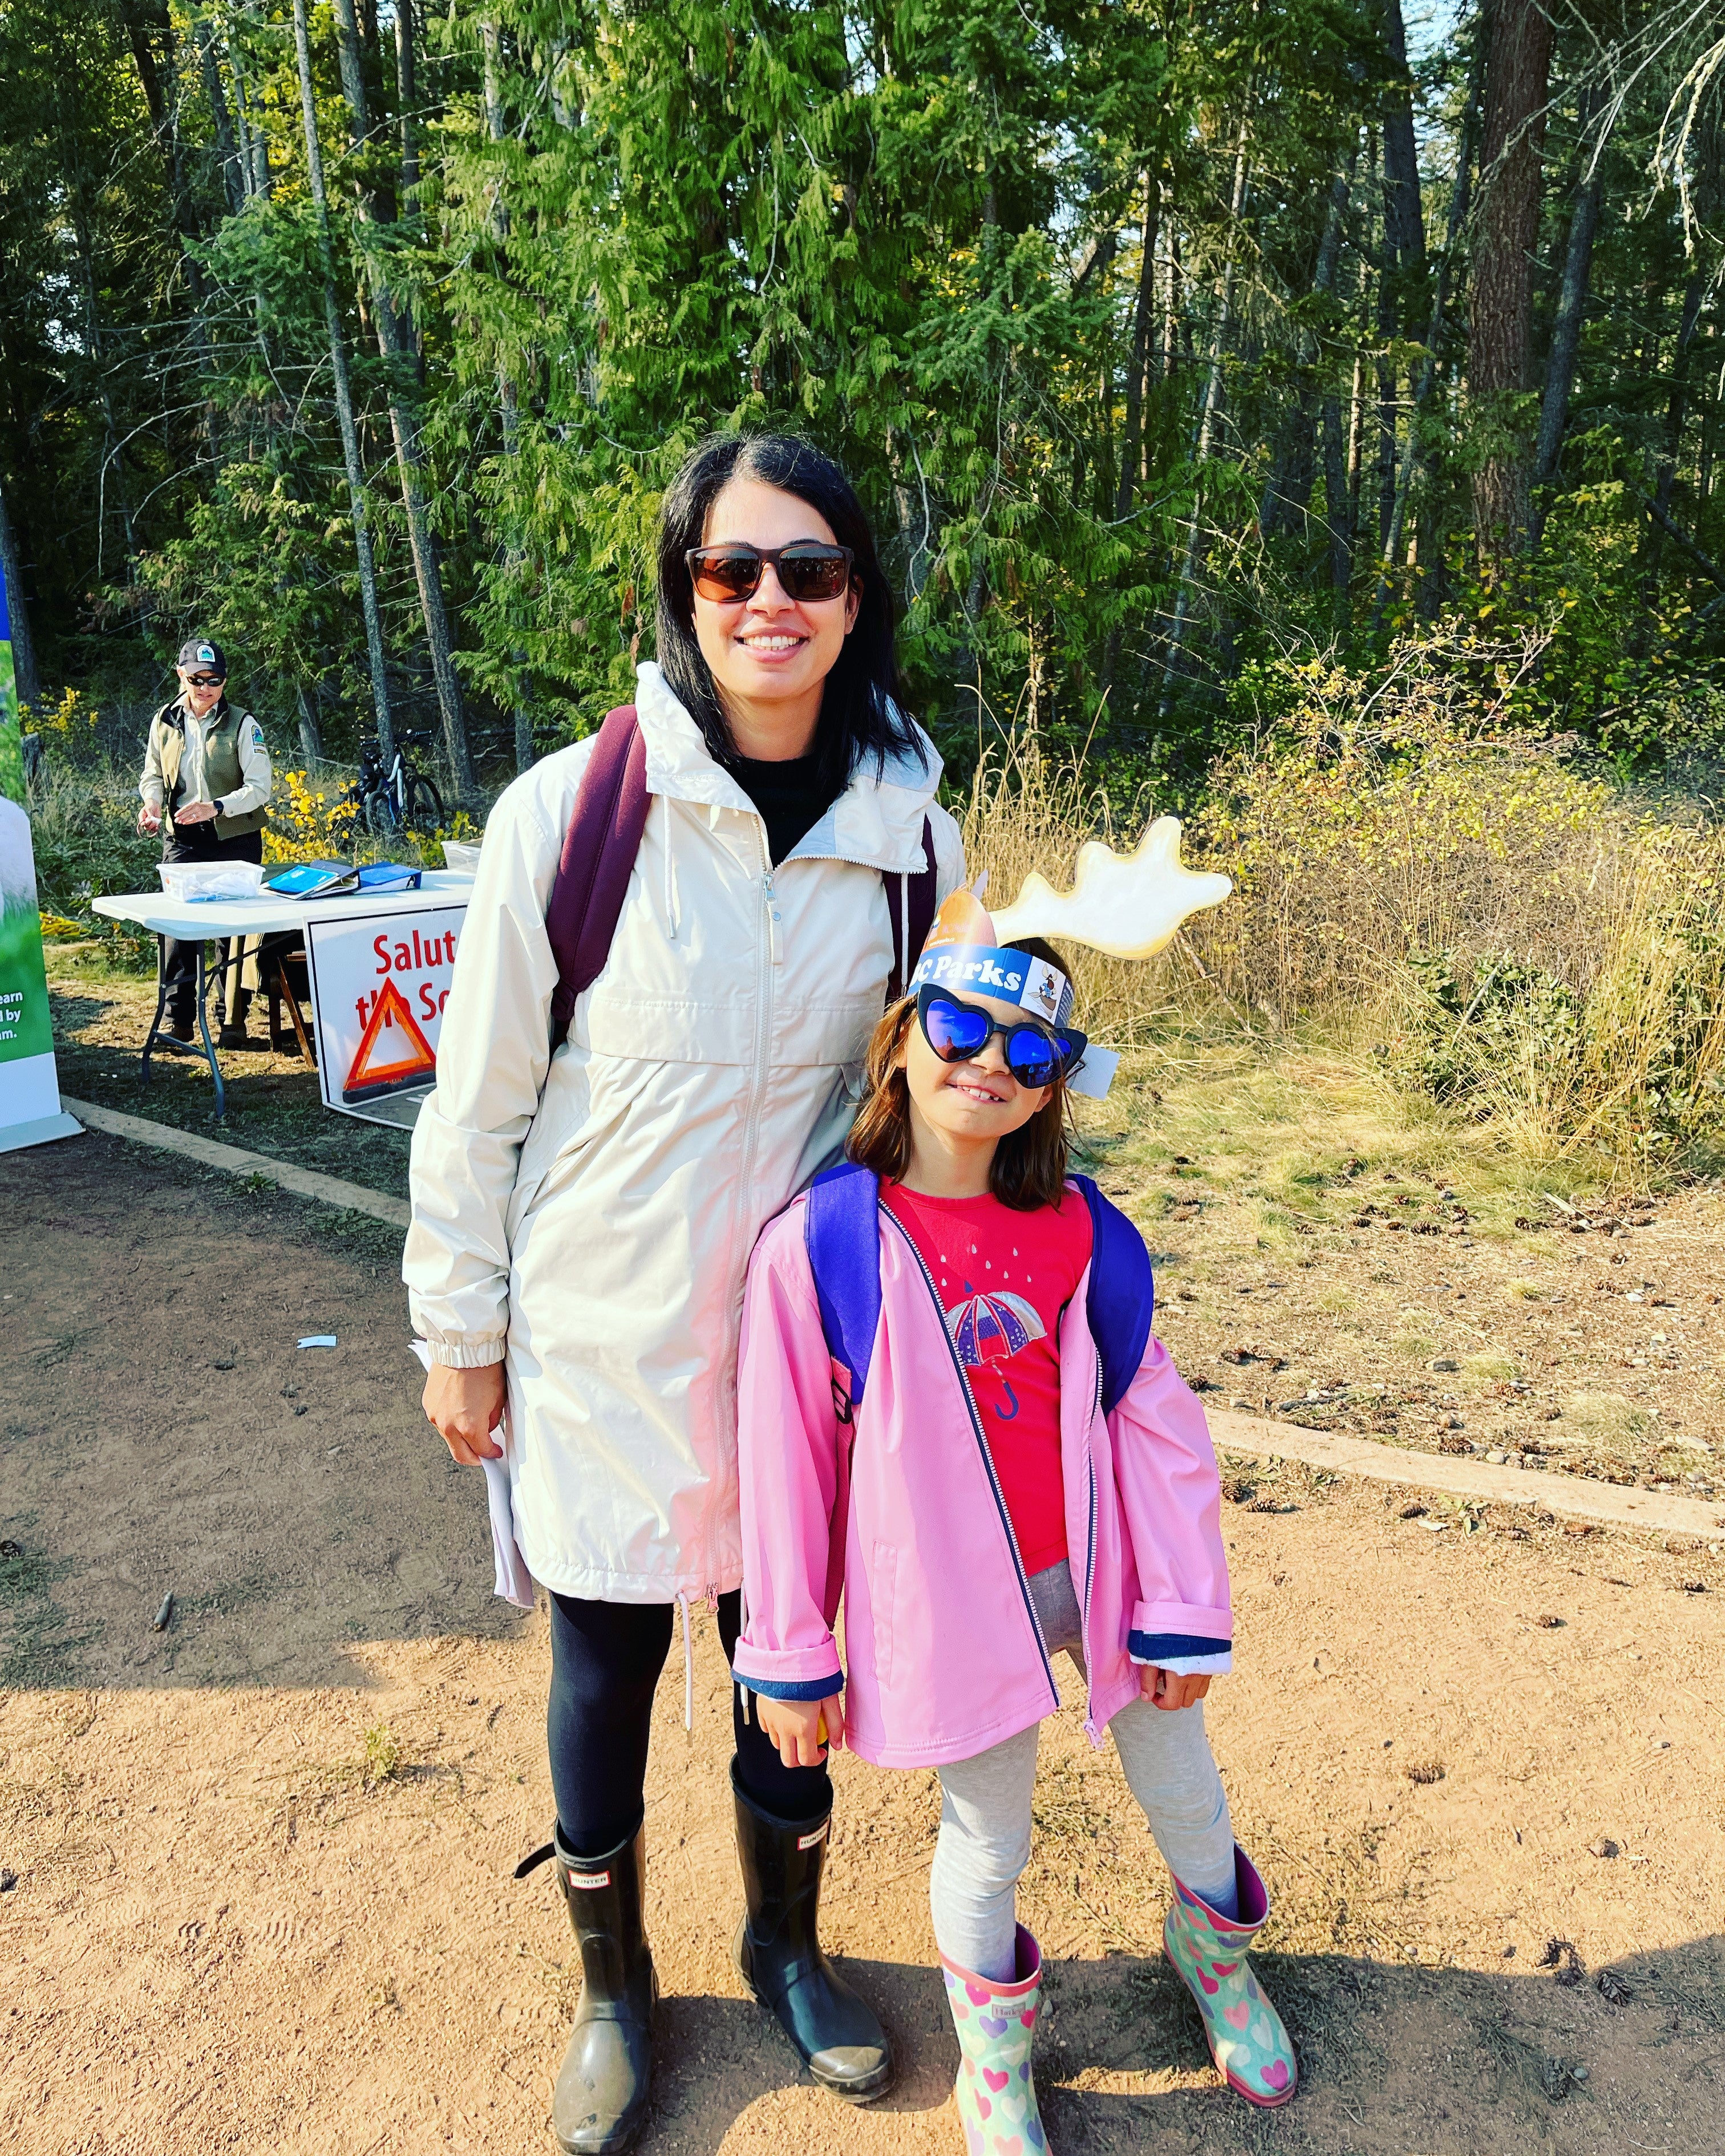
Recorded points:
(30,1112)
(379,982)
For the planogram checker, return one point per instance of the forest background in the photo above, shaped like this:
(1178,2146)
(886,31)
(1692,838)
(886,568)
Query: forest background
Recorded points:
(1263,416)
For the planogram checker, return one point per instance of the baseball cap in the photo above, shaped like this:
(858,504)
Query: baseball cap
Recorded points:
(198,655)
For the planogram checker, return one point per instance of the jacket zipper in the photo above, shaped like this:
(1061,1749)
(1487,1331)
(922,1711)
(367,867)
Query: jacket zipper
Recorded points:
(1089,1562)
(751,1131)
(976,1424)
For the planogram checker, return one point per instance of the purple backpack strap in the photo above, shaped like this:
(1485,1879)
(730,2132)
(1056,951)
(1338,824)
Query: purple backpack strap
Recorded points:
(911,906)
(599,849)
(841,1231)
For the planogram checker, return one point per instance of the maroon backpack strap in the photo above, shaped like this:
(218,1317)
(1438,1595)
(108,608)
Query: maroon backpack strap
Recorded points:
(599,849)
(911,904)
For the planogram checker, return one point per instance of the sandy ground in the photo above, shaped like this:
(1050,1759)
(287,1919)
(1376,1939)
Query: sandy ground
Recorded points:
(263,1895)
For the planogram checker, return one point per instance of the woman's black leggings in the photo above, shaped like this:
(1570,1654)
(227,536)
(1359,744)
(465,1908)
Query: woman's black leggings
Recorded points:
(605,1661)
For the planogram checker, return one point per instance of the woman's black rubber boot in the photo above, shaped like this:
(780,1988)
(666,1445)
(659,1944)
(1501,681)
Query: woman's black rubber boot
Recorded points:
(600,2103)
(778,1953)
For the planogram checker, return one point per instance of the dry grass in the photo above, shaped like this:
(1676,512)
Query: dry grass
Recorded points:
(1425,893)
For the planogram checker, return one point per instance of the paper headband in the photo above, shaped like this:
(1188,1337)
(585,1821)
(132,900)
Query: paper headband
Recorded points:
(1125,905)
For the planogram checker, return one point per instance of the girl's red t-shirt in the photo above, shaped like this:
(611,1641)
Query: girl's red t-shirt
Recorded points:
(1003,1278)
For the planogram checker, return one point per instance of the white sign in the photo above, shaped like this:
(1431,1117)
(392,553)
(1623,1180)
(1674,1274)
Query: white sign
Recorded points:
(30,1112)
(379,982)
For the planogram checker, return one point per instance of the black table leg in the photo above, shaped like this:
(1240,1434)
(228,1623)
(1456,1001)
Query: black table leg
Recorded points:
(149,1038)
(202,992)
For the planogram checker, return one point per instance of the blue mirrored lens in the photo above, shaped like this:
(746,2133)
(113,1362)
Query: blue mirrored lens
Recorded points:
(954,1032)
(1031,1059)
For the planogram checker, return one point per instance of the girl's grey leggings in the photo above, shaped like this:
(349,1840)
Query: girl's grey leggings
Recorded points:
(985,1809)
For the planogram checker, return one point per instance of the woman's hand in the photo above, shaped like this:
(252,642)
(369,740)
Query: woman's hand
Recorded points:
(1167,1688)
(464,1407)
(794,1727)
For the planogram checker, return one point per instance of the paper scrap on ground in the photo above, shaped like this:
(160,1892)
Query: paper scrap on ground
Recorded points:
(319,1340)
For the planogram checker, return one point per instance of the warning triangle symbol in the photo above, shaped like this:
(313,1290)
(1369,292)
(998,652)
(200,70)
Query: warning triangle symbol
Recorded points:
(392,1051)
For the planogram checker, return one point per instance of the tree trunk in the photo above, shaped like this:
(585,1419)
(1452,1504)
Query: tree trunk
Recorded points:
(408,95)
(514,554)
(310,734)
(1403,221)
(344,395)
(1131,447)
(227,152)
(1459,194)
(1206,425)
(1676,412)
(23,645)
(410,455)
(163,125)
(1517,66)
(1566,327)
(1287,494)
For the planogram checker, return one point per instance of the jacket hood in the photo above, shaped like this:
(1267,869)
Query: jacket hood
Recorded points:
(876,821)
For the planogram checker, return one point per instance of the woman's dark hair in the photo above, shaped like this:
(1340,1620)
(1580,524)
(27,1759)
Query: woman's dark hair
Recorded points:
(862,712)
(1028,1168)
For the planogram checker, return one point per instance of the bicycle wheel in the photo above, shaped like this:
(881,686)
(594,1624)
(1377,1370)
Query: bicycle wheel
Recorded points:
(425,804)
(379,813)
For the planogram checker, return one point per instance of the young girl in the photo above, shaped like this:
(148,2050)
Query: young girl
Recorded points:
(953,1412)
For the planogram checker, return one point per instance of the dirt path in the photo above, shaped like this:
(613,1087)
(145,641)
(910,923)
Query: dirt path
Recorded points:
(263,1895)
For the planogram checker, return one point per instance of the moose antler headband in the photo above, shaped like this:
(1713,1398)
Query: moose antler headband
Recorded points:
(1125,905)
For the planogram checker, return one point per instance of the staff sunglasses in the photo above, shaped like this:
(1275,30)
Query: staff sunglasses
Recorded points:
(205,680)
(806,570)
(958,1033)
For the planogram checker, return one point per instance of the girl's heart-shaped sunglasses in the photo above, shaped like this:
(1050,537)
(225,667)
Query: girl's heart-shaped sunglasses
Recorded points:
(958,1032)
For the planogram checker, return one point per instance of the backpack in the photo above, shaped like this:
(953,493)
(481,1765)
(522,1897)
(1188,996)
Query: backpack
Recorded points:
(841,1232)
(599,848)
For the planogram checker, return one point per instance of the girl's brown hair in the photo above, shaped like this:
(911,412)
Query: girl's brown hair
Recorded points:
(1028,1168)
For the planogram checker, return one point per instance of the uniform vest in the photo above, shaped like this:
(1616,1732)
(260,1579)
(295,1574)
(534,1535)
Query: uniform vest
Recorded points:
(222,773)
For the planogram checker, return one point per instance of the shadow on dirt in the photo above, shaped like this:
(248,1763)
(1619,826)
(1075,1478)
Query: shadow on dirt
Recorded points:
(1394,2059)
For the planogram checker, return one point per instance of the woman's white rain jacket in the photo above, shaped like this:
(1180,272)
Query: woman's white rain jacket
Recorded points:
(587,1217)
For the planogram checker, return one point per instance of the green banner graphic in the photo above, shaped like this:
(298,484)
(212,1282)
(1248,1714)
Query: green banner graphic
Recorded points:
(25,1029)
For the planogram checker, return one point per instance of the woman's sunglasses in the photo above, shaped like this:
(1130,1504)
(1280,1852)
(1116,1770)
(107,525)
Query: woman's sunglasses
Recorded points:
(958,1032)
(806,570)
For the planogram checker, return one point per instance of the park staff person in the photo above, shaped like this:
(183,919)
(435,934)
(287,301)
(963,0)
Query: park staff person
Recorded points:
(205,787)
(583,1218)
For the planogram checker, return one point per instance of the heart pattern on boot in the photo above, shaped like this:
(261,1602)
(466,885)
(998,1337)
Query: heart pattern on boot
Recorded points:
(1243,2030)
(994,2092)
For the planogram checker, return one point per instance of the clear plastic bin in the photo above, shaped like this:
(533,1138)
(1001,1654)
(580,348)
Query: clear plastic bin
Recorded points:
(463,859)
(208,880)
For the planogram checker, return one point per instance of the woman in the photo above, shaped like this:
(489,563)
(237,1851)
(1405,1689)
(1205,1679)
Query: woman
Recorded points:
(583,1218)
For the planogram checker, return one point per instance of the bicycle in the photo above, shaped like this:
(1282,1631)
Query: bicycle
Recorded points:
(401,799)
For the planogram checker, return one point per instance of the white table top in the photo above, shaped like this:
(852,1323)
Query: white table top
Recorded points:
(197,921)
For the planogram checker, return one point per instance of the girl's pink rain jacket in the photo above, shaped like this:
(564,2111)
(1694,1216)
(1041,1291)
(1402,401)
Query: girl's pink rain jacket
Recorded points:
(900,1511)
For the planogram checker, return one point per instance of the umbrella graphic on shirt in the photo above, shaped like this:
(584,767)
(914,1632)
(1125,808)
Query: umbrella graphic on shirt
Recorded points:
(990,1327)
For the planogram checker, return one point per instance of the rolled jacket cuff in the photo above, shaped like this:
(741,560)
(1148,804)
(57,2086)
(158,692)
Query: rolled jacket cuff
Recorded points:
(801,1673)
(468,1354)
(1208,1628)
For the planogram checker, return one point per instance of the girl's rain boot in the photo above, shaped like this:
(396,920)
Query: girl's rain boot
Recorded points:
(997,2024)
(1244,2032)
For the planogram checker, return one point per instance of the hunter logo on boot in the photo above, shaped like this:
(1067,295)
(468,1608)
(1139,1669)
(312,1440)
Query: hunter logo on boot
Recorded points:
(588,1880)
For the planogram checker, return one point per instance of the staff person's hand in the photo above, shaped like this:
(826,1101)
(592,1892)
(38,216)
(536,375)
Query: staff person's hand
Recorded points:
(196,812)
(464,1407)
(149,816)
(794,1727)
(1168,1688)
